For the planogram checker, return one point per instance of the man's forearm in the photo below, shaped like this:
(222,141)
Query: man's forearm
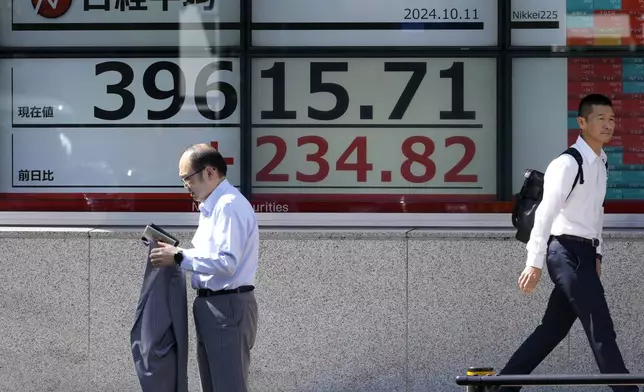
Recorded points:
(207,263)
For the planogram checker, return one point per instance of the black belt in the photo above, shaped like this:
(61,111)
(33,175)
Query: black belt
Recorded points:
(586,241)
(210,293)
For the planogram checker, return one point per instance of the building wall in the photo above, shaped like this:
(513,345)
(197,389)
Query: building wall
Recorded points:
(377,311)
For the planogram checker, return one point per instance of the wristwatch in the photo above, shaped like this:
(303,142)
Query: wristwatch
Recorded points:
(178,257)
(598,256)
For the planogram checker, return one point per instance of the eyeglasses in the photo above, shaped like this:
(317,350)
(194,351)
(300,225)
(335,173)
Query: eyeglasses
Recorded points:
(186,178)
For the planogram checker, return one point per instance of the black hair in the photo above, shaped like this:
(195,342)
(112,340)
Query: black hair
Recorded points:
(203,155)
(587,103)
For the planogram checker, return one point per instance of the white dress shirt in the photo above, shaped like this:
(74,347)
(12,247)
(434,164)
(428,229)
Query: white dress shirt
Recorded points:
(582,215)
(226,243)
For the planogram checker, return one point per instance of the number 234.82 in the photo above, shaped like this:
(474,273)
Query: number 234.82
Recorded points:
(361,165)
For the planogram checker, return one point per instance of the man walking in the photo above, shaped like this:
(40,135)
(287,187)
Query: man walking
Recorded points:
(223,263)
(567,234)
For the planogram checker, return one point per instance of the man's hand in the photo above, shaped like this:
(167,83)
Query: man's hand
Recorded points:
(529,279)
(163,255)
(599,267)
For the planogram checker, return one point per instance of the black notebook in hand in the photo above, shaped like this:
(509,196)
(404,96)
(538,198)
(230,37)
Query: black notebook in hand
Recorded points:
(153,232)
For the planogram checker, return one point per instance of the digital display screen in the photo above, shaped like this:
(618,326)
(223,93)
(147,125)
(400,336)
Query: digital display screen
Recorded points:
(546,96)
(581,23)
(122,133)
(375,23)
(622,80)
(380,129)
(112,23)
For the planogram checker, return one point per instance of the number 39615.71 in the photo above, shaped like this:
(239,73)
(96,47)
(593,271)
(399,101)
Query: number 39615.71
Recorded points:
(420,160)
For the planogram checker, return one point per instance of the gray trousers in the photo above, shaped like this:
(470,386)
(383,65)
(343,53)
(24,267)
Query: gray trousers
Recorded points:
(159,335)
(226,326)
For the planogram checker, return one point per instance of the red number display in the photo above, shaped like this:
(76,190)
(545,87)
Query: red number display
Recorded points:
(417,152)
(361,166)
(317,157)
(454,174)
(280,152)
(375,135)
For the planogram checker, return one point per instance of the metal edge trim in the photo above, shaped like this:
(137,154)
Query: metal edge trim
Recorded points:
(338,220)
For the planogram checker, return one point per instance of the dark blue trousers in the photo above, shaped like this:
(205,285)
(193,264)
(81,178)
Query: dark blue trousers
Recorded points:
(578,293)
